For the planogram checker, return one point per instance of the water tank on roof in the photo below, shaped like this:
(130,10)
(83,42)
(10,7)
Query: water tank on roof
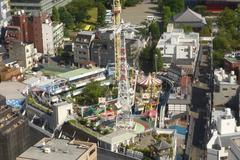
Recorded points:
(228,112)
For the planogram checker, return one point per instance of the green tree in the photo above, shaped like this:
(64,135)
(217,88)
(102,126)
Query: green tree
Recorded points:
(218,58)
(201,9)
(91,93)
(66,17)
(167,14)
(158,59)
(155,31)
(176,6)
(227,19)
(221,43)
(205,31)
(146,60)
(150,59)
(55,14)
(101,14)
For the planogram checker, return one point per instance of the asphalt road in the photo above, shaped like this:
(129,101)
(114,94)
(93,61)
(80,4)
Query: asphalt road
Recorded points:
(200,103)
(139,13)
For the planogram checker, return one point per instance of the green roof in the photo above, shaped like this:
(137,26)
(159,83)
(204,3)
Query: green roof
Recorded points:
(79,73)
(232,60)
(54,70)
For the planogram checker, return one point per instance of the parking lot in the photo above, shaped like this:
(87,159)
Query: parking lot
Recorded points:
(139,13)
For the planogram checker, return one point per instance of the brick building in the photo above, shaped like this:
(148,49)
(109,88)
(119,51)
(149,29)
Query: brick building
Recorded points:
(27,29)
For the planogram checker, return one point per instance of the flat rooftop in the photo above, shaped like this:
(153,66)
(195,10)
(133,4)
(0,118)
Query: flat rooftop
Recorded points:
(54,70)
(117,136)
(232,59)
(12,90)
(79,73)
(60,149)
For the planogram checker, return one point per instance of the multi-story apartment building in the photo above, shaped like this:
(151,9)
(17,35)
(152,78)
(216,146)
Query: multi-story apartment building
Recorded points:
(225,87)
(58,34)
(38,29)
(175,44)
(27,29)
(24,54)
(52,34)
(5,13)
(14,133)
(38,5)
(102,48)
(224,142)
(82,47)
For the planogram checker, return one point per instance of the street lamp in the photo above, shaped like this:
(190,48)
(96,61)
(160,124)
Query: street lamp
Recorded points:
(156,57)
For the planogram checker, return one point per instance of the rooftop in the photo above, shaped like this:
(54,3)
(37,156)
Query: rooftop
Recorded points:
(117,136)
(12,90)
(79,73)
(232,59)
(9,119)
(189,16)
(60,149)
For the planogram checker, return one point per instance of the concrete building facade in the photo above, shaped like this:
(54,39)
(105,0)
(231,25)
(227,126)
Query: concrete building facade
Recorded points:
(175,44)
(39,5)
(27,29)
(224,142)
(24,54)
(5,15)
(14,133)
(225,87)
(82,46)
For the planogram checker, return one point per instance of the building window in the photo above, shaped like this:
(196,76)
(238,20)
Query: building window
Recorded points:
(224,89)
(226,96)
(233,88)
(91,152)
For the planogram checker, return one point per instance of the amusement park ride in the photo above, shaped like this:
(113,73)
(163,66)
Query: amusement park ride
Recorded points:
(126,88)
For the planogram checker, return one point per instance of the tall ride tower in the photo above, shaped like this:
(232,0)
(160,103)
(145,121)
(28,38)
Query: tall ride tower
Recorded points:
(124,99)
(117,36)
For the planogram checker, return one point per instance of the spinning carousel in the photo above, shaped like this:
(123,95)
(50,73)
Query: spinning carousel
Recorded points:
(149,88)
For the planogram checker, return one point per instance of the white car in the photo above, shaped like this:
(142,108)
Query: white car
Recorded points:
(150,18)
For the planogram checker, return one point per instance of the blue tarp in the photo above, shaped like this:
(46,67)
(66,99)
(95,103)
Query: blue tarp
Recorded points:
(16,103)
(180,130)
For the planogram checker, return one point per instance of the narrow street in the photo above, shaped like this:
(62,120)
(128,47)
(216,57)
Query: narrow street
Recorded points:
(200,103)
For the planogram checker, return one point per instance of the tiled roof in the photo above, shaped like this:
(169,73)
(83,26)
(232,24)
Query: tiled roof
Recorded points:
(189,16)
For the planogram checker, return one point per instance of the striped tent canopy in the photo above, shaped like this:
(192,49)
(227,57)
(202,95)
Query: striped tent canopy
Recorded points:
(150,80)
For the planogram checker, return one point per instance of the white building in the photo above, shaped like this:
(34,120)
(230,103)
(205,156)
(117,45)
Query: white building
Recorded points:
(52,35)
(225,87)
(224,138)
(175,44)
(114,140)
(24,54)
(58,35)
(5,13)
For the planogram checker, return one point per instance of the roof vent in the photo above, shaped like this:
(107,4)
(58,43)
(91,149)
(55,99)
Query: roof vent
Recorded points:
(47,150)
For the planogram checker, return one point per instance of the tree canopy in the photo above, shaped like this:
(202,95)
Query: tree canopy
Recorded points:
(101,14)
(91,93)
(66,17)
(155,31)
(150,59)
(55,14)
(228,37)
